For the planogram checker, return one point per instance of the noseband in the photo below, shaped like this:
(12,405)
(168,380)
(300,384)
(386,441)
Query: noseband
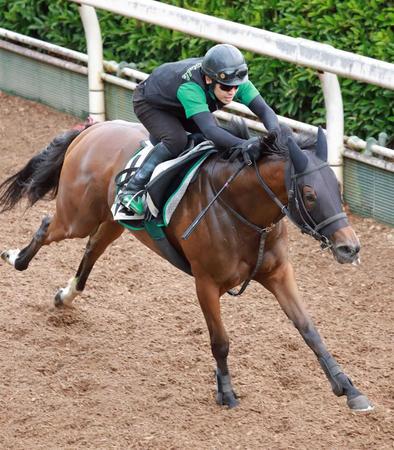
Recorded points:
(296,203)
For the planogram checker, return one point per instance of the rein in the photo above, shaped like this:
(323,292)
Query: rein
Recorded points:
(261,231)
(295,200)
(189,230)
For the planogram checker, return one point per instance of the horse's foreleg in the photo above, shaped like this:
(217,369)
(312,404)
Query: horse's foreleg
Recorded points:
(106,233)
(283,285)
(208,296)
(20,259)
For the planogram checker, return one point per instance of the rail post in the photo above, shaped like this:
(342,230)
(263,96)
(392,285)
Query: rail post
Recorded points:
(95,62)
(334,121)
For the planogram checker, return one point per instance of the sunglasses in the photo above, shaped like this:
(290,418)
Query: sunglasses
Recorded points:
(226,88)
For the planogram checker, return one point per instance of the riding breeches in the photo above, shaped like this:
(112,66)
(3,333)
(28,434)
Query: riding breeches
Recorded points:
(163,125)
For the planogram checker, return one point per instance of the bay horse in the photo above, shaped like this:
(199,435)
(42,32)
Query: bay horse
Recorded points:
(241,236)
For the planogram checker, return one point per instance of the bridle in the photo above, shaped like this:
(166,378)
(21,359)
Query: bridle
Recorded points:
(296,203)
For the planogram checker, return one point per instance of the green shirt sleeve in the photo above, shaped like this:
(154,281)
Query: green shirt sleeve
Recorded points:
(192,98)
(246,92)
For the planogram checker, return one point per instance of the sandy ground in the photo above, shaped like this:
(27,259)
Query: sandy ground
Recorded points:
(130,365)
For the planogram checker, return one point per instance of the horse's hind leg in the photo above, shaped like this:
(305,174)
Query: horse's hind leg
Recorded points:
(20,259)
(52,229)
(106,233)
(281,282)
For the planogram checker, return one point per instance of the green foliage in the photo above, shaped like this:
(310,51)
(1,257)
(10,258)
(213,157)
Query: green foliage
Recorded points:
(358,26)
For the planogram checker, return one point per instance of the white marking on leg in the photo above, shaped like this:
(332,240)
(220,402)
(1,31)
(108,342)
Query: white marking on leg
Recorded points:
(10,256)
(67,294)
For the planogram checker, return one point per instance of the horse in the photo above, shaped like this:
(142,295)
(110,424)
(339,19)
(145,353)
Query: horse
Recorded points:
(240,237)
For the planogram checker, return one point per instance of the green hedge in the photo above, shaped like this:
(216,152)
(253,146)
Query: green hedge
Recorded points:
(359,26)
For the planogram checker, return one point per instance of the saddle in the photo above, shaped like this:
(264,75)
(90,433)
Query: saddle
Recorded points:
(167,186)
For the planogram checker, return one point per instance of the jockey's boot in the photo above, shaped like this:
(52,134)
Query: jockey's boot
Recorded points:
(135,188)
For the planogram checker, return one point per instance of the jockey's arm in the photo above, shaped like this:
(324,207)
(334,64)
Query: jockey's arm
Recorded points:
(209,128)
(264,113)
(269,119)
(193,99)
(248,95)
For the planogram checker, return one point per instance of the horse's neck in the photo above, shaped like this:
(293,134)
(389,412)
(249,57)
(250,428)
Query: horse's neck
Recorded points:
(251,199)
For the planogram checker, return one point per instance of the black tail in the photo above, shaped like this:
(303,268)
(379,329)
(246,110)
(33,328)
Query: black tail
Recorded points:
(41,174)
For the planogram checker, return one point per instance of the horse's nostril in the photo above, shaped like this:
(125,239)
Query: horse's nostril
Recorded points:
(349,249)
(354,249)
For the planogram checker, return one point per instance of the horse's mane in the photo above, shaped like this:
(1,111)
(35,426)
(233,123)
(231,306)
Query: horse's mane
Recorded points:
(272,143)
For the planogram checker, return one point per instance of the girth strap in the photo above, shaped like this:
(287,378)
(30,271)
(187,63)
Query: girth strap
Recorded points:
(166,248)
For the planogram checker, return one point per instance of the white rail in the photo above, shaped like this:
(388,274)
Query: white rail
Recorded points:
(42,57)
(326,59)
(51,48)
(299,51)
(112,66)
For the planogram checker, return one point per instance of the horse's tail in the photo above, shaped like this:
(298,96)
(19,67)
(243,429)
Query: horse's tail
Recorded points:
(41,174)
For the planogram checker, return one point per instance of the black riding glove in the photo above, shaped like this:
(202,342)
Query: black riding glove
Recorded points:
(248,149)
(279,137)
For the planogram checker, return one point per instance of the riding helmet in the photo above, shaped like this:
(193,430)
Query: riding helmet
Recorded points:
(225,64)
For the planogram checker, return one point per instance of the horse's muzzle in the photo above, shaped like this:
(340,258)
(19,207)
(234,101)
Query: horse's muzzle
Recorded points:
(347,254)
(346,246)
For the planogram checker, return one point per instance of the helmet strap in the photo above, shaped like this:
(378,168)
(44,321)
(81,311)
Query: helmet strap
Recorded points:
(211,88)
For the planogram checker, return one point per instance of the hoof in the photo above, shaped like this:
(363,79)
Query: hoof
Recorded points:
(10,256)
(227,399)
(224,391)
(360,404)
(58,299)
(66,295)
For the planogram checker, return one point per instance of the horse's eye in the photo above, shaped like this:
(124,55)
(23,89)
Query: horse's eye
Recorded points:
(309,198)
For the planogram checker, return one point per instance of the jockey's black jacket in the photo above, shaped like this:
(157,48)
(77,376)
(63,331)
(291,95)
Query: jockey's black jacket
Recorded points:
(180,88)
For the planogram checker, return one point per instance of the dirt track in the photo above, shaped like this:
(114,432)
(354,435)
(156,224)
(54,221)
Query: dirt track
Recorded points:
(130,365)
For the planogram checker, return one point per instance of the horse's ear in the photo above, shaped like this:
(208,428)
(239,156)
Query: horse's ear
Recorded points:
(321,145)
(297,156)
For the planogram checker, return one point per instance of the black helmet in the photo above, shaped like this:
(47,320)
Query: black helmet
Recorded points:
(225,64)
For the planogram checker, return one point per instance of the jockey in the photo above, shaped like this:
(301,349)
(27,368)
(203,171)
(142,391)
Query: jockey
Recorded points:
(179,97)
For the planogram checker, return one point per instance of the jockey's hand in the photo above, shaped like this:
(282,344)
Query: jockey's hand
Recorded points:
(248,149)
(280,137)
